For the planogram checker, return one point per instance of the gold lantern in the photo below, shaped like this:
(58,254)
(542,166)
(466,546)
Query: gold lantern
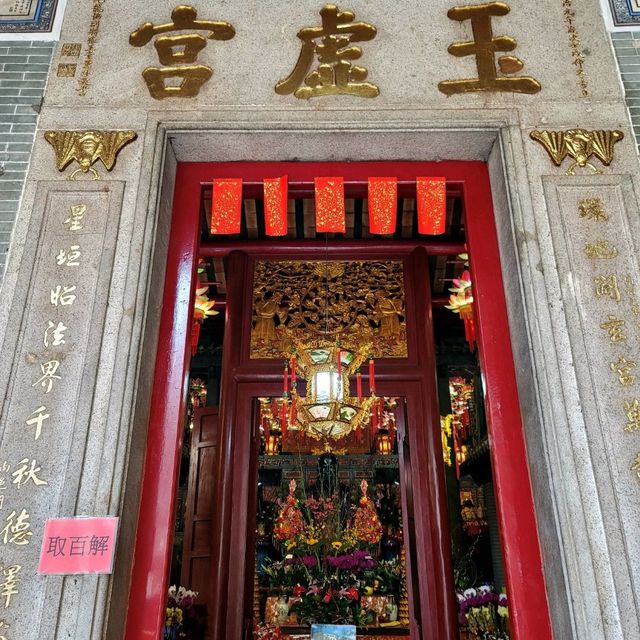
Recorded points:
(327,411)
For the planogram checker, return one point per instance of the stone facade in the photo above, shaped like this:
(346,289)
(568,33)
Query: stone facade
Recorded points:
(91,450)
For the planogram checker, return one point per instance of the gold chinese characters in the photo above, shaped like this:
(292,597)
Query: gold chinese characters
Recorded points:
(580,145)
(179,53)
(484,47)
(325,64)
(332,45)
(86,148)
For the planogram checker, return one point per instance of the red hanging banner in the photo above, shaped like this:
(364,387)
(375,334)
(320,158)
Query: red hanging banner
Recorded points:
(431,198)
(330,213)
(226,205)
(383,201)
(275,206)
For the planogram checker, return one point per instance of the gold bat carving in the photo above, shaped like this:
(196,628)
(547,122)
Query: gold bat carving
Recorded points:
(580,145)
(86,148)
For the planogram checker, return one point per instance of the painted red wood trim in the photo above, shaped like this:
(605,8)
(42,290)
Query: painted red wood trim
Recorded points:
(220,248)
(154,536)
(528,605)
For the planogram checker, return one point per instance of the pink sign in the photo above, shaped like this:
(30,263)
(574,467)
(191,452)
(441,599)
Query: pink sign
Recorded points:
(78,545)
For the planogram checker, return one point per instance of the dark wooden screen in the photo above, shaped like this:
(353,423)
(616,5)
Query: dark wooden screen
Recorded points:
(200,495)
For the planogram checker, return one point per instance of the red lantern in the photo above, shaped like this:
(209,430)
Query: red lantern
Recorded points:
(226,206)
(431,199)
(330,211)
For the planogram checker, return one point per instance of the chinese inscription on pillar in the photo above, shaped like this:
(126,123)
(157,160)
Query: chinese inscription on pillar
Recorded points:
(617,308)
(52,375)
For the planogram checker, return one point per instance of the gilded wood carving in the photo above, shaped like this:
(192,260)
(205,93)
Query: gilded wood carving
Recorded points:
(351,302)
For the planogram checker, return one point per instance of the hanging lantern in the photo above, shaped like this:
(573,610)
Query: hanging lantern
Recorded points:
(272,445)
(330,210)
(461,302)
(203,308)
(385,444)
(327,411)
(226,206)
(431,201)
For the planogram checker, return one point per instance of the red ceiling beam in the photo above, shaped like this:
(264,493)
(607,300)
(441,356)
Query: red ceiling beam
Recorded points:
(222,248)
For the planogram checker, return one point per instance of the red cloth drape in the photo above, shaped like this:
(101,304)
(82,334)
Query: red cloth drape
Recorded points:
(431,199)
(275,206)
(383,205)
(330,212)
(226,205)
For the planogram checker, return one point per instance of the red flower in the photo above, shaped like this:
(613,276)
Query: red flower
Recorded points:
(353,593)
(298,591)
(327,597)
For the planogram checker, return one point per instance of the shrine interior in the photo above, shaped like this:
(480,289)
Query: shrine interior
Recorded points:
(340,506)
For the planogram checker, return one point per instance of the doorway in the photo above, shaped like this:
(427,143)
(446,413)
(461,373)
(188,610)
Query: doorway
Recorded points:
(235,493)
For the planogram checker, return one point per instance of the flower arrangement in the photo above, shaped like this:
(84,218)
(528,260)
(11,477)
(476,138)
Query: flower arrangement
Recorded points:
(180,607)
(484,614)
(330,558)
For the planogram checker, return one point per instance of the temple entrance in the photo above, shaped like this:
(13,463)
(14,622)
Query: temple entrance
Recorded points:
(335,463)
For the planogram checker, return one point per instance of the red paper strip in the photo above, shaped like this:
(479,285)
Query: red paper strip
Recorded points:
(431,197)
(383,205)
(275,206)
(330,213)
(226,205)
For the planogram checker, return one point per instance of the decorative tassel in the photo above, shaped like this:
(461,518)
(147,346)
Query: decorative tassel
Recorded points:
(359,384)
(293,372)
(372,377)
(283,415)
(286,379)
(431,200)
(265,428)
(195,336)
(226,206)
(294,410)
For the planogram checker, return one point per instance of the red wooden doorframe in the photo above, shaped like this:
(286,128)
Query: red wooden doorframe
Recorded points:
(152,554)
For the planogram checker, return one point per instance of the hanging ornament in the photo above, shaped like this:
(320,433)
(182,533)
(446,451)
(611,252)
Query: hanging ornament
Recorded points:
(461,302)
(383,203)
(202,308)
(372,375)
(226,206)
(330,212)
(275,206)
(431,199)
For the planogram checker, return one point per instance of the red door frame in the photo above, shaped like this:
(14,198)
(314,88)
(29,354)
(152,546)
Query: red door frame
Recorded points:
(523,561)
